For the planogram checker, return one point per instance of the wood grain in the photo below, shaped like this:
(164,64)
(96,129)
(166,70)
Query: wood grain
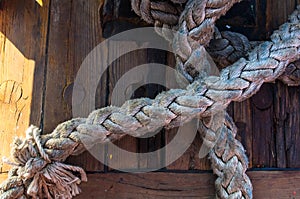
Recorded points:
(118,68)
(282,9)
(242,115)
(3,176)
(264,154)
(190,159)
(74,31)
(23,36)
(267,184)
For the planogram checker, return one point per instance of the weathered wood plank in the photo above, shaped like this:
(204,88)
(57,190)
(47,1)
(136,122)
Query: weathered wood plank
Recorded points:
(292,128)
(118,68)
(277,13)
(190,159)
(3,176)
(74,31)
(267,184)
(153,143)
(23,38)
(149,185)
(134,87)
(281,104)
(264,153)
(242,116)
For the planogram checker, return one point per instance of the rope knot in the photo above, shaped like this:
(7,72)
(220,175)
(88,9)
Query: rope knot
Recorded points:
(36,175)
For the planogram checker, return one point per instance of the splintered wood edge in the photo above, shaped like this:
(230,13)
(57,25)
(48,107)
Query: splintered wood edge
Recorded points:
(266,184)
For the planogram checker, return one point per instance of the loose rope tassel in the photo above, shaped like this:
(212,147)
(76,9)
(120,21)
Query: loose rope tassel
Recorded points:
(35,171)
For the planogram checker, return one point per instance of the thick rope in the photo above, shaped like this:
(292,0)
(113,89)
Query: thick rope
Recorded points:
(234,160)
(228,47)
(229,160)
(202,98)
(225,48)
(291,76)
(228,157)
(164,12)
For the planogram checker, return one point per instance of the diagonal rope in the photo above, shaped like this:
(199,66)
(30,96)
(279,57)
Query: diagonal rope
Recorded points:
(228,47)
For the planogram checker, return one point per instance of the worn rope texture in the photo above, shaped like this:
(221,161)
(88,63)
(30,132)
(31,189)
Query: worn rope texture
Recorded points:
(175,107)
(228,157)
(188,47)
(229,160)
(229,183)
(228,47)
(225,47)
(291,76)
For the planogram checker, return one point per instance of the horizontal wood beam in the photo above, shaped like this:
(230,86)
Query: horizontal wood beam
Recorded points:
(267,184)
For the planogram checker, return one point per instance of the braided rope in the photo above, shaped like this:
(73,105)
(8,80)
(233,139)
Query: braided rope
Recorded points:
(165,12)
(291,76)
(225,47)
(229,160)
(228,47)
(34,176)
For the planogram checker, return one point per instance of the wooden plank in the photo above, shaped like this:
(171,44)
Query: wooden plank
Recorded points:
(190,159)
(277,13)
(267,184)
(134,89)
(23,38)
(153,143)
(292,128)
(281,118)
(148,185)
(264,153)
(3,176)
(74,31)
(242,115)
(118,68)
